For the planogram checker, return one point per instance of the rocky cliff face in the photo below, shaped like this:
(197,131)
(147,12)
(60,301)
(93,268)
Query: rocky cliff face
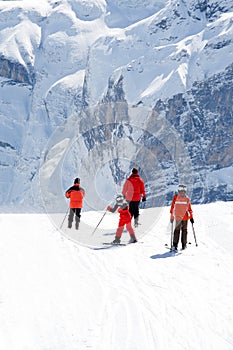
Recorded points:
(15,72)
(202,117)
(91,89)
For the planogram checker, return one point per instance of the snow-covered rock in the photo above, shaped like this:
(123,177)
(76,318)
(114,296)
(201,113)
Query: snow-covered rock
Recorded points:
(144,83)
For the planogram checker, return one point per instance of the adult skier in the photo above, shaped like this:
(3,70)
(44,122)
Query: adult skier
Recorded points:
(76,195)
(124,220)
(133,191)
(181,211)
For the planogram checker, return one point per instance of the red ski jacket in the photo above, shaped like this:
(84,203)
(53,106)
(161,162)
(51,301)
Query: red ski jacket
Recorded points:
(125,216)
(134,188)
(76,195)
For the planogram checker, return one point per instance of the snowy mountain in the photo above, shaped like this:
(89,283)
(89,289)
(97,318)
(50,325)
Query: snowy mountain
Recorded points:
(92,88)
(58,295)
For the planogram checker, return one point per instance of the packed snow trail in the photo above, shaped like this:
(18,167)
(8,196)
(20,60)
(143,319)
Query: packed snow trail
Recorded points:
(58,295)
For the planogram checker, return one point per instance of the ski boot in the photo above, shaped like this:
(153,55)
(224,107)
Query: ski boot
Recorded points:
(133,239)
(116,240)
(174,248)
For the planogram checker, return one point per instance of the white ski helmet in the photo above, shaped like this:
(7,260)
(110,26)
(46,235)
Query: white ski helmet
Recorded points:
(181,188)
(119,199)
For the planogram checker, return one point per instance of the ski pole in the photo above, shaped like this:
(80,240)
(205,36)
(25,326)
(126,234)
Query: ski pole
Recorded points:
(171,235)
(99,222)
(194,234)
(64,218)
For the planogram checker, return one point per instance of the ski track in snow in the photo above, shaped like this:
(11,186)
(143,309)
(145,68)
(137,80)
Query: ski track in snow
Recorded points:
(55,294)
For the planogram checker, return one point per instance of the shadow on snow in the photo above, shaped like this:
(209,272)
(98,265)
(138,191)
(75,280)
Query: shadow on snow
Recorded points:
(164,255)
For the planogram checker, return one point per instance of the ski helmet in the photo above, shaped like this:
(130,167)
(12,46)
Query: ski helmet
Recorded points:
(119,199)
(181,188)
(121,202)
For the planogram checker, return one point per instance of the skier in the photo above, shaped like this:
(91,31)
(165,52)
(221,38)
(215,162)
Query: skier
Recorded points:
(125,219)
(76,195)
(181,211)
(133,190)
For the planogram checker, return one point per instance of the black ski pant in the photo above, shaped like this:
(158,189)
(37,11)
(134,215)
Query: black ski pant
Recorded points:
(77,213)
(134,208)
(181,225)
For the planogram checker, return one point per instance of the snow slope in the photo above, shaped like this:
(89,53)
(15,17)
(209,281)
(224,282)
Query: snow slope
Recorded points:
(58,295)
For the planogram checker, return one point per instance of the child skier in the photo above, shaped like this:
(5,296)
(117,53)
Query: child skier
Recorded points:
(125,219)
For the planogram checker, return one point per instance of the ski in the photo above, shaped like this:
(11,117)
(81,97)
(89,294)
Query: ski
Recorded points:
(119,244)
(168,247)
(114,244)
(171,250)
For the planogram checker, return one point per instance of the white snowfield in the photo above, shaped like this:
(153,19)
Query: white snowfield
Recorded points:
(56,294)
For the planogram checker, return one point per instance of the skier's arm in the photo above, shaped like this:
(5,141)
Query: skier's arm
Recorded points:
(112,210)
(173,204)
(125,188)
(142,189)
(68,192)
(190,212)
(172,208)
(83,191)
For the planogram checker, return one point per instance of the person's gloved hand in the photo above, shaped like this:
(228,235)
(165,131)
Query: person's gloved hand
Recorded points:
(143,199)
(192,221)
(109,207)
(171,221)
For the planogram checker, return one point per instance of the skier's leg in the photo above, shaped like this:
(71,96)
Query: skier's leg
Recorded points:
(176,235)
(118,234)
(131,209)
(134,211)
(70,217)
(184,233)
(77,217)
(137,209)
(129,228)
(119,231)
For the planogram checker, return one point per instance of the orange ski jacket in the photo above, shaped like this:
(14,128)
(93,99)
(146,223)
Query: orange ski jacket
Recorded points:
(76,195)
(181,208)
